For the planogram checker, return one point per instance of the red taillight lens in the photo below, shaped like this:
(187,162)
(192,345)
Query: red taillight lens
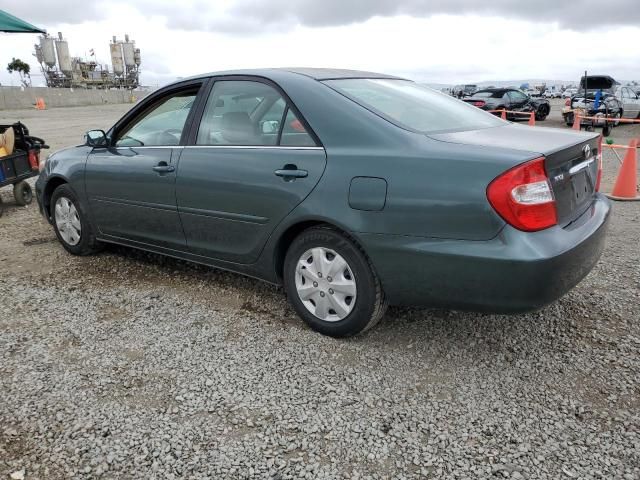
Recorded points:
(567,102)
(479,103)
(34,159)
(523,197)
(599,160)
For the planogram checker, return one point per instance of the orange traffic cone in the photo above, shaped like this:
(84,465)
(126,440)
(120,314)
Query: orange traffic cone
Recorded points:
(40,105)
(626,186)
(576,122)
(503,116)
(532,120)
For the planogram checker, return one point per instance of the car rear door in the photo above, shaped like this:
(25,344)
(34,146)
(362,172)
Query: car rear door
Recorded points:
(250,161)
(131,183)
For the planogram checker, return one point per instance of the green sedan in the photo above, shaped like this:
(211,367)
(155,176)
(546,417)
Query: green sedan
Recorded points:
(353,190)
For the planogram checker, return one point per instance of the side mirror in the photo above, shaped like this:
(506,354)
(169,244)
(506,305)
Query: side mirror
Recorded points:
(270,127)
(95,138)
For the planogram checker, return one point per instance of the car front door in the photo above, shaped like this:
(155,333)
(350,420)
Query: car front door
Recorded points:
(517,100)
(130,184)
(630,103)
(251,160)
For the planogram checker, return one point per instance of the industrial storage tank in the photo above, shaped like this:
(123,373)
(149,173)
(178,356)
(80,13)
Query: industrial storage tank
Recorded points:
(64,59)
(116,57)
(48,51)
(137,58)
(39,54)
(128,48)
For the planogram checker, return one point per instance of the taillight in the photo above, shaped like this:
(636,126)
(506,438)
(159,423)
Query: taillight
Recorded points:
(34,159)
(523,197)
(567,102)
(599,160)
(479,103)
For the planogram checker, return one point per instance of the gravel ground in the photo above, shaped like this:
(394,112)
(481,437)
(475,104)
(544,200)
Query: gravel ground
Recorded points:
(130,365)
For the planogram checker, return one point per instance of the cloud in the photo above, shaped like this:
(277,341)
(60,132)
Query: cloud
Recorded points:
(264,16)
(578,14)
(256,16)
(47,12)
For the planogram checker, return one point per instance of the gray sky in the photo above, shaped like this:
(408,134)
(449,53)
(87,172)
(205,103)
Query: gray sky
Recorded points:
(447,41)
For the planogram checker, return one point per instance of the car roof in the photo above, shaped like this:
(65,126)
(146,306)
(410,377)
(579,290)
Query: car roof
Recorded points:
(315,73)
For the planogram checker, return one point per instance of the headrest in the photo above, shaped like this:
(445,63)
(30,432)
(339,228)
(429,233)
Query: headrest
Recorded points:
(237,128)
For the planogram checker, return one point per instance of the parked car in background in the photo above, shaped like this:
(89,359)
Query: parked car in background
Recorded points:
(552,94)
(353,190)
(569,92)
(630,102)
(583,102)
(511,99)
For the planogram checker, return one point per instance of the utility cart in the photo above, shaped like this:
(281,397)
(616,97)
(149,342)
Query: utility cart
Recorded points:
(19,160)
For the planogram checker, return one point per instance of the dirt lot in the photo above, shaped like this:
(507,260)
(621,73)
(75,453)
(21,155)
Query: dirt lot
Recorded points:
(129,365)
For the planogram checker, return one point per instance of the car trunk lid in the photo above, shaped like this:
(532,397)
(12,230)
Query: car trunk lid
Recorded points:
(570,160)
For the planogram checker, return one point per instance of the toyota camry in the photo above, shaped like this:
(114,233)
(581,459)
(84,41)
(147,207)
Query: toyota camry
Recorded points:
(353,190)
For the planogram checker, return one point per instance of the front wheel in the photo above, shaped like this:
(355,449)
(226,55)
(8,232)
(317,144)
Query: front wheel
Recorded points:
(542,113)
(331,284)
(71,224)
(616,119)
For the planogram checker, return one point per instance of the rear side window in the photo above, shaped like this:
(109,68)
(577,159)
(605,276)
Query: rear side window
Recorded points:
(248,113)
(412,106)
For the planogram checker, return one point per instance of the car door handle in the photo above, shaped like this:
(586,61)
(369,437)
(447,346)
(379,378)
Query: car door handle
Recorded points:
(291,173)
(164,168)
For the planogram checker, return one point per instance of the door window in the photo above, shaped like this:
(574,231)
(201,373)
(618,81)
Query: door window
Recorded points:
(294,133)
(517,96)
(248,113)
(160,125)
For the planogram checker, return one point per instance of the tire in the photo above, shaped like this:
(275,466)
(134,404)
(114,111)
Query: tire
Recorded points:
(606,130)
(617,116)
(83,242)
(542,113)
(327,247)
(22,193)
(568,119)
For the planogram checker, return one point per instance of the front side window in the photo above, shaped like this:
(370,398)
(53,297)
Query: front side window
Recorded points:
(412,106)
(161,125)
(517,96)
(246,113)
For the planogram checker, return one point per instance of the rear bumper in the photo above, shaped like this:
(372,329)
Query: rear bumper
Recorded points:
(514,272)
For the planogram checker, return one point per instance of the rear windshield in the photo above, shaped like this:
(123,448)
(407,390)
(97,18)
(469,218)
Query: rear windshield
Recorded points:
(412,106)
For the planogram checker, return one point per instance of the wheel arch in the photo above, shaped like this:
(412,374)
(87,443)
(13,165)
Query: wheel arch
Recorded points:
(49,188)
(292,231)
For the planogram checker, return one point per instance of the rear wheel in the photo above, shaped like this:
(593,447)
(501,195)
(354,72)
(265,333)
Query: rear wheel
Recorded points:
(22,193)
(71,223)
(331,284)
